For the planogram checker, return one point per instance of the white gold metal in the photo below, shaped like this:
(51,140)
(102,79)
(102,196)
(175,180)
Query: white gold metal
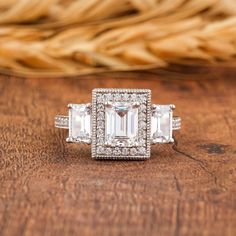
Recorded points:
(176,123)
(120,123)
(62,122)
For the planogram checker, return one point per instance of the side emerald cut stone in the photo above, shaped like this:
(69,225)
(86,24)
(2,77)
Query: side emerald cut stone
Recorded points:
(161,123)
(121,123)
(79,122)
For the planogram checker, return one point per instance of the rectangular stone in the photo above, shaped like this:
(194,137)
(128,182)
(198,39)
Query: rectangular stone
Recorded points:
(79,123)
(161,124)
(121,123)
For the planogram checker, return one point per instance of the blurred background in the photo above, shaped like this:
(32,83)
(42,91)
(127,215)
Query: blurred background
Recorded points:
(74,37)
(183,50)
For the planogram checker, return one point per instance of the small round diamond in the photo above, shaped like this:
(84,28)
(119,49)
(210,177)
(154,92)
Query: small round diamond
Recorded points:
(133,97)
(108,151)
(142,98)
(125,96)
(142,133)
(108,97)
(100,140)
(125,151)
(100,107)
(100,150)
(117,97)
(133,151)
(142,150)
(117,151)
(100,124)
(100,116)
(142,142)
(100,132)
(143,107)
(143,125)
(100,98)
(142,116)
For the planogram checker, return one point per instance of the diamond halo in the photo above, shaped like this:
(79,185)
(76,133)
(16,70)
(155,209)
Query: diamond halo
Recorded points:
(124,133)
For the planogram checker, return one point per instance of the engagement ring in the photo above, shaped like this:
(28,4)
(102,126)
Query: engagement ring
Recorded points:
(120,123)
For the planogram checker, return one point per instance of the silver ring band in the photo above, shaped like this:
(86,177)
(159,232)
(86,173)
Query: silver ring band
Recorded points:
(120,123)
(62,122)
(176,123)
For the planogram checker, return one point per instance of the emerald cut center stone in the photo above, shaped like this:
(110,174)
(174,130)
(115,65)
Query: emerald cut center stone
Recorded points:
(121,123)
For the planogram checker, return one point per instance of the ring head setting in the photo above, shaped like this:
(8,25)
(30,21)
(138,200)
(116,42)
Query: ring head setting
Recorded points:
(124,133)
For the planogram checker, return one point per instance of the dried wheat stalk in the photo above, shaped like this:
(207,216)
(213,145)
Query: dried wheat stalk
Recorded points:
(71,37)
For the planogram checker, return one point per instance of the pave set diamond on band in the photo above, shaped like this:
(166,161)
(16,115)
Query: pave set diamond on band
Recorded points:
(120,123)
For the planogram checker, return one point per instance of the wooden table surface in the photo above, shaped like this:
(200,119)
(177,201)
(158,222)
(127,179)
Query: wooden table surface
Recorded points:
(49,187)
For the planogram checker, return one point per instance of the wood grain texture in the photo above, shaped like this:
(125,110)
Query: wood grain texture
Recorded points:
(48,187)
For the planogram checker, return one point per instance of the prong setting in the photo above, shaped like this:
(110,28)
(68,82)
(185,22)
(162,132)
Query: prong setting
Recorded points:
(69,140)
(172,140)
(70,105)
(88,105)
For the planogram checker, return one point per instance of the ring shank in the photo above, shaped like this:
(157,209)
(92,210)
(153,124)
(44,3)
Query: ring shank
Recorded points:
(176,123)
(62,122)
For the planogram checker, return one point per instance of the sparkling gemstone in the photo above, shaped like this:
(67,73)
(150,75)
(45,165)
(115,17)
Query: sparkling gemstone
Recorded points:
(100,107)
(125,151)
(80,127)
(100,116)
(100,140)
(142,116)
(143,124)
(142,141)
(117,151)
(100,98)
(142,98)
(134,97)
(100,124)
(143,108)
(121,123)
(117,97)
(142,133)
(142,150)
(125,96)
(108,96)
(108,151)
(161,124)
(133,151)
(100,150)
(100,132)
